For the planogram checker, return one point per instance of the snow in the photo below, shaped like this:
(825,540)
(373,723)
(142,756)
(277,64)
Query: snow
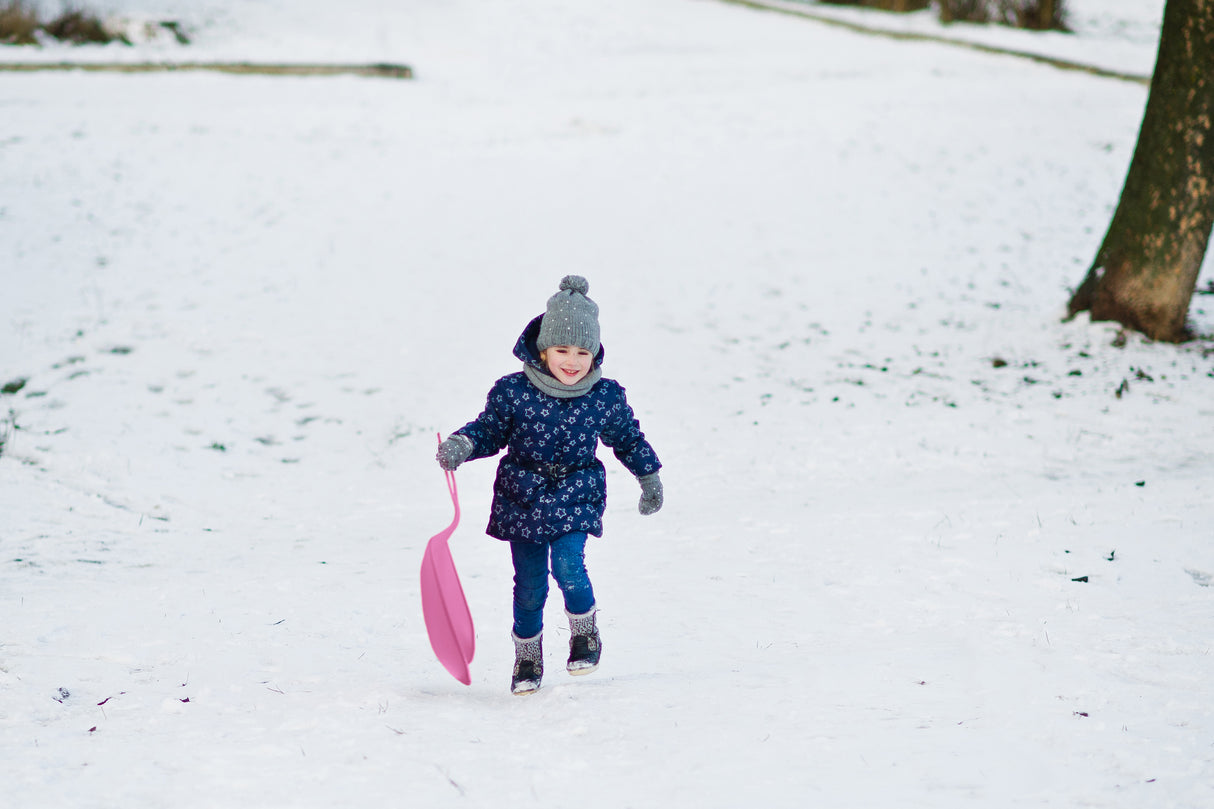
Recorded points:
(925,544)
(1119,35)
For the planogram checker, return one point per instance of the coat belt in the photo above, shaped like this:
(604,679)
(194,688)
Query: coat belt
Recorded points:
(556,472)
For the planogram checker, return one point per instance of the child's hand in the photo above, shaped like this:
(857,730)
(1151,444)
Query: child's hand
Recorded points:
(651,493)
(453,452)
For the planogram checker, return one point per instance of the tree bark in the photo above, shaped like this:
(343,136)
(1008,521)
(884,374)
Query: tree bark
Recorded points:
(1145,271)
(1042,15)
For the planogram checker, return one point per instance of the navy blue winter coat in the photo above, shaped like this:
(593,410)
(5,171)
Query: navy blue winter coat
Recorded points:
(550,483)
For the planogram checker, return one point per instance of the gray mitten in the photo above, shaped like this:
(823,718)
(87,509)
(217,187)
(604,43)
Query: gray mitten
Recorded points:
(651,493)
(453,452)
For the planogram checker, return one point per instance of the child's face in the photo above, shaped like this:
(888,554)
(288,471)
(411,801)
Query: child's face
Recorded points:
(568,363)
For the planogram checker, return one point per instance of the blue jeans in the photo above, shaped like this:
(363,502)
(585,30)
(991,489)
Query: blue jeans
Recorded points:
(531,580)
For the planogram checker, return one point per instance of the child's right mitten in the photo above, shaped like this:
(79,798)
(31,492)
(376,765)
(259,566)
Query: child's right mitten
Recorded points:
(453,452)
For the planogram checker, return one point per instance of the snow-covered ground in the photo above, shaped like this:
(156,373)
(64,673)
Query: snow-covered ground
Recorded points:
(925,544)
(1120,36)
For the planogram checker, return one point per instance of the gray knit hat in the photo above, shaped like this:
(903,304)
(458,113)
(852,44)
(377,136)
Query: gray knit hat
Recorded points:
(572,319)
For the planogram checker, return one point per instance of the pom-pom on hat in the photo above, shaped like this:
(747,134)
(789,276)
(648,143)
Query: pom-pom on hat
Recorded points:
(572,319)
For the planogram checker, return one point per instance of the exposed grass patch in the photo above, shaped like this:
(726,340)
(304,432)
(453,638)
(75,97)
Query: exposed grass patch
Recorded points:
(8,423)
(20,24)
(80,28)
(884,5)
(383,71)
(13,385)
(1036,15)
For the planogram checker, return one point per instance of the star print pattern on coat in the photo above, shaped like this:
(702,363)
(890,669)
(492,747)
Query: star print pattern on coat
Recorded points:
(550,482)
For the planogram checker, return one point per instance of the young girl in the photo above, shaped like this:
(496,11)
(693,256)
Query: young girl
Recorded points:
(551,489)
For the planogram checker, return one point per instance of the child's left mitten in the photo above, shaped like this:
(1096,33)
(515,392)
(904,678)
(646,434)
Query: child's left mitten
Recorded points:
(453,452)
(651,493)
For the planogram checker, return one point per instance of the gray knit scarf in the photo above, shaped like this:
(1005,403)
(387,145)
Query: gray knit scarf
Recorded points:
(549,384)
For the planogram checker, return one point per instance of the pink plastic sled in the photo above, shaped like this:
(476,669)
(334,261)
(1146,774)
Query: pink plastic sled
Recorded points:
(448,621)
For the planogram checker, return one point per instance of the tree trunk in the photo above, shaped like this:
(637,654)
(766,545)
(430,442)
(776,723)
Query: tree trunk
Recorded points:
(1042,15)
(1146,269)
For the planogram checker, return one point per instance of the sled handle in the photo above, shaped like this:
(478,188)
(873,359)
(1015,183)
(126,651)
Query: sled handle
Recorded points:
(451,487)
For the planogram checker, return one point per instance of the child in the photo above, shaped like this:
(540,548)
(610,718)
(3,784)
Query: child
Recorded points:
(551,489)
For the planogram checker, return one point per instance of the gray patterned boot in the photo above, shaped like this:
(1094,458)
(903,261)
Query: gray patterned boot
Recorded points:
(584,643)
(528,664)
